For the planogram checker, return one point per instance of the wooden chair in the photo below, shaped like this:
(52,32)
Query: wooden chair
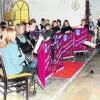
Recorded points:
(19,81)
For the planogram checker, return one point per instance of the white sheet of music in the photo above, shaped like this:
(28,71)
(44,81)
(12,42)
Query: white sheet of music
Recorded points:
(90,44)
(38,44)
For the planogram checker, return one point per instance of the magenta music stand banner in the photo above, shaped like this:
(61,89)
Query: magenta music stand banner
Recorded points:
(44,62)
(67,43)
(80,35)
(58,51)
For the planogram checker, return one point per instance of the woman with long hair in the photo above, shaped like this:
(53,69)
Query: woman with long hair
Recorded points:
(10,53)
(12,56)
(66,27)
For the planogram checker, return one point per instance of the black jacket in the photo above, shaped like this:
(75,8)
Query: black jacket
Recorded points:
(64,29)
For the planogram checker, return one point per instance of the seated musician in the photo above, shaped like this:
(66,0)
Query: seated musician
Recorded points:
(59,23)
(47,31)
(21,40)
(66,27)
(11,55)
(28,34)
(33,29)
(84,24)
(54,27)
(42,24)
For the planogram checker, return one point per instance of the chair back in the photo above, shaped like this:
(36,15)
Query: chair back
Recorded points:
(2,66)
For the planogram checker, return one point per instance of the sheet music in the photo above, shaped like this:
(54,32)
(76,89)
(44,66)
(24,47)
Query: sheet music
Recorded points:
(90,44)
(38,44)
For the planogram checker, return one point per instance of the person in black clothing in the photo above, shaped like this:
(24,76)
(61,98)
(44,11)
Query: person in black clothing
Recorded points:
(84,23)
(21,39)
(59,23)
(66,27)
(29,36)
(42,24)
(33,30)
(54,28)
(34,21)
(27,32)
(47,31)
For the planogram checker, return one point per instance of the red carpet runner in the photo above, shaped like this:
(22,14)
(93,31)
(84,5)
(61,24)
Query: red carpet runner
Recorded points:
(70,68)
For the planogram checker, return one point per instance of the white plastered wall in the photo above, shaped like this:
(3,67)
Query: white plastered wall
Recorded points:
(56,9)
(95,10)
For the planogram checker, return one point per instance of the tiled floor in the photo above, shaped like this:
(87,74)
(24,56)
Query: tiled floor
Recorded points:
(54,86)
(85,88)
(82,88)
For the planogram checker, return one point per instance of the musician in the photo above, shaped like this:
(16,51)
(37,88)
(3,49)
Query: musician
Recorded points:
(84,24)
(47,31)
(66,27)
(42,24)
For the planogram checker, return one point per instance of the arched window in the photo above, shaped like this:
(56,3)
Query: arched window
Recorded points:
(21,10)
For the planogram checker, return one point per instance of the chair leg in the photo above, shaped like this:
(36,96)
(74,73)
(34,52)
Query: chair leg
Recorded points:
(34,91)
(27,92)
(5,91)
(34,81)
